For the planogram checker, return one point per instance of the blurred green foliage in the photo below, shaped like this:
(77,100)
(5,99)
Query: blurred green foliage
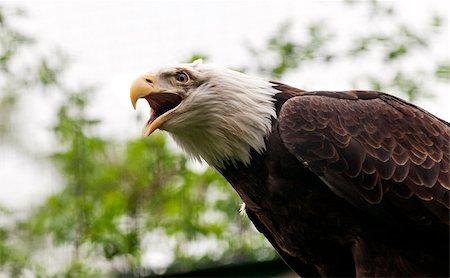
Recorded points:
(443,71)
(282,53)
(396,48)
(197,56)
(121,200)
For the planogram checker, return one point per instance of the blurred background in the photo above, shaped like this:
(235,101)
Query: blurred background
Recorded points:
(83,195)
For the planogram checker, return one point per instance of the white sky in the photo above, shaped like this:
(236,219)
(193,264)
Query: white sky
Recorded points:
(110,43)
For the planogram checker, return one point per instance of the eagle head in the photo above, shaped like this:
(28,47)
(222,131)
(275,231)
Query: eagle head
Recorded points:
(213,113)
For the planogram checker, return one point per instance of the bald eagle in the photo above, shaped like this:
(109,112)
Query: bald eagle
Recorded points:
(352,183)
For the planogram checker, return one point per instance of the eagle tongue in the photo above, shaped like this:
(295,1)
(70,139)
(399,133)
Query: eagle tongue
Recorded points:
(160,103)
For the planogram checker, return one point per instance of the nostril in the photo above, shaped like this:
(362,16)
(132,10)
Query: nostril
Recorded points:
(149,80)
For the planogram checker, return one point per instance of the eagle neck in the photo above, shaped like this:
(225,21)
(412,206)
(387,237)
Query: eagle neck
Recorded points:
(230,129)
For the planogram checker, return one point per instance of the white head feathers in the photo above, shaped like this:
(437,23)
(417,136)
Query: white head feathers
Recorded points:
(225,116)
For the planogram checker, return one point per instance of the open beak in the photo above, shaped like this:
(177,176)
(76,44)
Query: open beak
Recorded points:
(161,102)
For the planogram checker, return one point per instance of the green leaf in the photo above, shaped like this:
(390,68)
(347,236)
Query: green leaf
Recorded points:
(443,72)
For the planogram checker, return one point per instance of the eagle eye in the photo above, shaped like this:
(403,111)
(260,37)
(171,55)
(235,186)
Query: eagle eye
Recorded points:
(181,77)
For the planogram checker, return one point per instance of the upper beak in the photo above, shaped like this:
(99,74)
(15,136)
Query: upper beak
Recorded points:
(142,87)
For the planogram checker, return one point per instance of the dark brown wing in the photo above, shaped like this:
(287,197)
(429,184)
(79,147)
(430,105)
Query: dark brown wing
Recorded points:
(374,150)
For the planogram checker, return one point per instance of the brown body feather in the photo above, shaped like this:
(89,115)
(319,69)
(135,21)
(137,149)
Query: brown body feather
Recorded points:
(352,183)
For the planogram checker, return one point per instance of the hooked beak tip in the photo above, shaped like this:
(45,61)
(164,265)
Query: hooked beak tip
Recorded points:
(141,87)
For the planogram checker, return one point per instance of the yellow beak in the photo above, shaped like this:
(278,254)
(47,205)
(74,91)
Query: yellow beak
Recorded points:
(142,87)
